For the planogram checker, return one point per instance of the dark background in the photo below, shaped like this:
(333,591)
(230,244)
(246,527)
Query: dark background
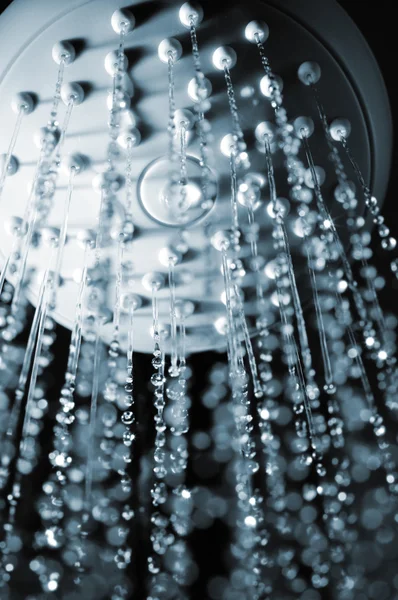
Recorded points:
(376,22)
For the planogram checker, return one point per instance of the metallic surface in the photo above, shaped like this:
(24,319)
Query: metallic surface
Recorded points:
(351,86)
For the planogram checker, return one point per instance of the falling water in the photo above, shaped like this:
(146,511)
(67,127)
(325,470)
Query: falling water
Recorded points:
(26,365)
(64,129)
(202,95)
(57,94)
(181,504)
(120,60)
(182,207)
(59,457)
(334,153)
(329,224)
(32,209)
(123,553)
(257,560)
(264,59)
(130,353)
(117,87)
(29,208)
(93,415)
(231,330)
(129,181)
(11,147)
(307,405)
(365,322)
(276,98)
(128,417)
(173,369)
(62,441)
(300,398)
(62,238)
(31,213)
(159,521)
(36,363)
(120,53)
(375,419)
(156,334)
(377,312)
(305,349)
(343,179)
(176,392)
(282,234)
(258,392)
(91,455)
(4,272)
(282,121)
(26,246)
(270,173)
(237,147)
(182,361)
(328,374)
(246,463)
(74,348)
(106,205)
(237,128)
(118,289)
(234,203)
(358,173)
(101,225)
(13,498)
(172,109)
(254,253)
(104,218)
(311,387)
(358,359)
(275,480)
(196,56)
(250,518)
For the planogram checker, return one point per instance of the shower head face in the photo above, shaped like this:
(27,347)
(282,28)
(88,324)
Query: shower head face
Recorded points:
(30,67)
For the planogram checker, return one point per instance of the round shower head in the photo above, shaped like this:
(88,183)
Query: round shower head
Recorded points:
(297,34)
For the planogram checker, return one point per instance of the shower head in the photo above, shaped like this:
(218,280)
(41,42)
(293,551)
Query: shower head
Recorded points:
(296,35)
